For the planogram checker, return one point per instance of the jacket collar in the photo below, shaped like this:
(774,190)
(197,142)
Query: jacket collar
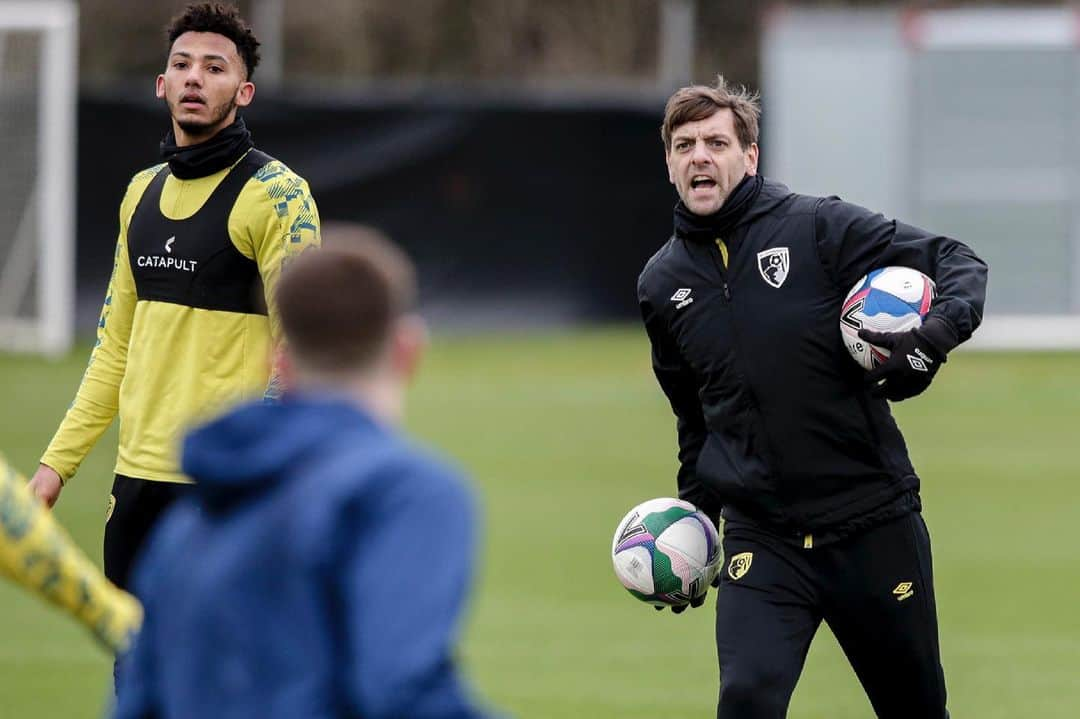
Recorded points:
(723,221)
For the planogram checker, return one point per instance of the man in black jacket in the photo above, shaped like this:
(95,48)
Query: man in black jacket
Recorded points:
(780,431)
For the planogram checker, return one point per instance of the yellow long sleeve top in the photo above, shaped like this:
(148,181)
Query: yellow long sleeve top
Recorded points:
(37,553)
(164,365)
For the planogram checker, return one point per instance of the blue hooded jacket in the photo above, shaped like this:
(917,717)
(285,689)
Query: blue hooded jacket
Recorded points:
(317,570)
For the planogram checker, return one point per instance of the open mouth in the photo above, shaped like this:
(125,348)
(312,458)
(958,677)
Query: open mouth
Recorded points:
(192,100)
(699,182)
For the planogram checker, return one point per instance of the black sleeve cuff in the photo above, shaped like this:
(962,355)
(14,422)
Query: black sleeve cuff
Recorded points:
(940,334)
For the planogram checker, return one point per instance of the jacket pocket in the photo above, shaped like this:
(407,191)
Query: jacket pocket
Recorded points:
(732,469)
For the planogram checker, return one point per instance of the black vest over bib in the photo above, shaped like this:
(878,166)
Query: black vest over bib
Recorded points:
(193,262)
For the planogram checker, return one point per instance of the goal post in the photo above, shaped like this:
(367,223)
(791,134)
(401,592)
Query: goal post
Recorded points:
(38,95)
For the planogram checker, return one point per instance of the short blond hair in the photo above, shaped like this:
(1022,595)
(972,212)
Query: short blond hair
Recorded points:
(699,102)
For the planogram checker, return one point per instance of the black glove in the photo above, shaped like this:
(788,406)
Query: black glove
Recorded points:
(695,602)
(915,357)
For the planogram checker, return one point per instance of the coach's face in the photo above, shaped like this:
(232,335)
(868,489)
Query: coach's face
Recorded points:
(203,84)
(706,161)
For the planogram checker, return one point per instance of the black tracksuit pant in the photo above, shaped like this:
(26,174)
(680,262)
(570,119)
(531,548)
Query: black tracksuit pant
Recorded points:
(875,591)
(136,505)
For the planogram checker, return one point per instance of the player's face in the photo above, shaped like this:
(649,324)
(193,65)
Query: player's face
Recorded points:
(706,161)
(203,84)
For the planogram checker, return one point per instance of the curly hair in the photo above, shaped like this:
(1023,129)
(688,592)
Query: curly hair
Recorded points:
(222,20)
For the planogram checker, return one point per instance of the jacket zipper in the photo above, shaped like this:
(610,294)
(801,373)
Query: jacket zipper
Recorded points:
(723,272)
(721,246)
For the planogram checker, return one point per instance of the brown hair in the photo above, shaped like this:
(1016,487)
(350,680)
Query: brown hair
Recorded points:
(699,102)
(222,20)
(338,305)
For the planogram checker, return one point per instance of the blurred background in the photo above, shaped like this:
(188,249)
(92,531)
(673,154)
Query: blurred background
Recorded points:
(512,146)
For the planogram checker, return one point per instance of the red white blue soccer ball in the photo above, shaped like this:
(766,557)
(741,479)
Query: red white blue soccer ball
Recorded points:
(666,551)
(892,299)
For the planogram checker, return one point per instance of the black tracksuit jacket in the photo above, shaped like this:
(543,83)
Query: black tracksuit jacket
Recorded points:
(775,422)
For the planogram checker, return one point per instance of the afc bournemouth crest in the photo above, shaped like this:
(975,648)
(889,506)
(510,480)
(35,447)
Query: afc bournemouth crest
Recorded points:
(773,265)
(740,564)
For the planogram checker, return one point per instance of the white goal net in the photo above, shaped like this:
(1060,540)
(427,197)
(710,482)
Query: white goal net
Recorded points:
(38,44)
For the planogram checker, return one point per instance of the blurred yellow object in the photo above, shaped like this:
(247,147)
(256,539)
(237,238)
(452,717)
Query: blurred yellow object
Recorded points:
(37,553)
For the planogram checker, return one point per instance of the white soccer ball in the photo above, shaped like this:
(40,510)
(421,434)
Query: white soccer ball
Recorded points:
(891,299)
(666,551)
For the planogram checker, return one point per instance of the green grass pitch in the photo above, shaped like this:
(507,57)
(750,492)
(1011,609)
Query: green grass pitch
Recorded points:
(563,433)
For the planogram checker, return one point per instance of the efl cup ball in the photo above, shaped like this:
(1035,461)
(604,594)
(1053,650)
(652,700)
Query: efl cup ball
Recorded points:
(666,551)
(892,299)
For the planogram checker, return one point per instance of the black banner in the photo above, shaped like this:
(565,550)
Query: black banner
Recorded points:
(517,212)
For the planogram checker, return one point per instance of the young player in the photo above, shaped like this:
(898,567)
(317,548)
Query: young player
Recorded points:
(321,563)
(187,327)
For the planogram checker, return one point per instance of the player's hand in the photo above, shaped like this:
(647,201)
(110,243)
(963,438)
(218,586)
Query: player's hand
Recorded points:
(46,485)
(694,603)
(915,357)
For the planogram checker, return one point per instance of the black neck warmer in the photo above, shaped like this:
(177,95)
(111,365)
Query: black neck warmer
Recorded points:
(724,220)
(206,158)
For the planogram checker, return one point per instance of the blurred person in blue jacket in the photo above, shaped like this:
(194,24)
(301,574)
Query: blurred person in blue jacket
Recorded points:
(322,562)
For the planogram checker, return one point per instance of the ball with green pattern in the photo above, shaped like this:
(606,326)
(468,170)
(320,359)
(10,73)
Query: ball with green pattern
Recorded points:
(666,551)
